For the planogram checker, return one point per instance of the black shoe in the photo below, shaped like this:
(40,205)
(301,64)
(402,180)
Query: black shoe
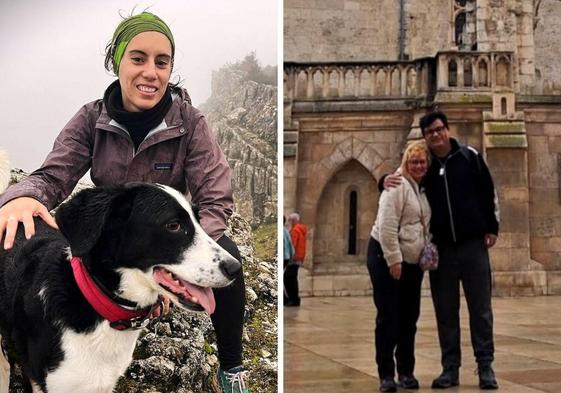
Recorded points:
(487,380)
(408,382)
(388,385)
(292,304)
(448,378)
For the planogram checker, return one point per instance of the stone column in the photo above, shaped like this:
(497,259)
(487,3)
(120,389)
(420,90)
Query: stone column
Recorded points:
(525,45)
(506,148)
(290,146)
(290,155)
(482,38)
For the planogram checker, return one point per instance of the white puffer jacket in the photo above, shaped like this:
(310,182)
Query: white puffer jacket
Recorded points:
(398,225)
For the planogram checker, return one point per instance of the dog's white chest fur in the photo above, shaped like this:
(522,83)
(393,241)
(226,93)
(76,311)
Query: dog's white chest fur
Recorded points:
(92,362)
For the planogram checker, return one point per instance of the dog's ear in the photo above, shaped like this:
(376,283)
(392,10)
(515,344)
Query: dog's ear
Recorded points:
(196,211)
(82,219)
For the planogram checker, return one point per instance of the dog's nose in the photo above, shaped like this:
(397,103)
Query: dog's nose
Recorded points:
(230,267)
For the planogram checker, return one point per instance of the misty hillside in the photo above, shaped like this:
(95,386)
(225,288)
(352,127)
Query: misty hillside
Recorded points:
(242,111)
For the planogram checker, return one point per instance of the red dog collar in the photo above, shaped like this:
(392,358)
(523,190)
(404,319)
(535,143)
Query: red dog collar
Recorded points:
(119,318)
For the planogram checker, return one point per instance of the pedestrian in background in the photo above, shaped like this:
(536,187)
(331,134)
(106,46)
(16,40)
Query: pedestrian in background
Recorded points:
(298,234)
(288,254)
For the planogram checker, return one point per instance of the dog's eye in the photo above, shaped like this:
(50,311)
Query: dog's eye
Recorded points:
(173,226)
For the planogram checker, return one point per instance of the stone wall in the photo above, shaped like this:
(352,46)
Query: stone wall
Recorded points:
(543,126)
(427,26)
(507,25)
(344,30)
(548,47)
(334,30)
(353,30)
(496,25)
(343,151)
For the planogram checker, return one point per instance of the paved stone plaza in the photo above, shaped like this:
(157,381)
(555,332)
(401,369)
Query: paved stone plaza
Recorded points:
(329,346)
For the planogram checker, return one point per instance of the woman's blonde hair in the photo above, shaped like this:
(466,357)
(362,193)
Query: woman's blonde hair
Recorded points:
(413,148)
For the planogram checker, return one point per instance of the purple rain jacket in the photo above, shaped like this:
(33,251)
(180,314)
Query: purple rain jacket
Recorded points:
(181,152)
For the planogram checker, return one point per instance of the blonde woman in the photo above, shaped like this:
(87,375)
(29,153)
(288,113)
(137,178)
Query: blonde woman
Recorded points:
(397,238)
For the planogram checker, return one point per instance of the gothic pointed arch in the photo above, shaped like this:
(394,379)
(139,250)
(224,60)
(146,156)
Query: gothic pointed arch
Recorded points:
(351,148)
(345,213)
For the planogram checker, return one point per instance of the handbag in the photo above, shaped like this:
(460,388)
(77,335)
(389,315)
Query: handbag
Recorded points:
(429,257)
(429,254)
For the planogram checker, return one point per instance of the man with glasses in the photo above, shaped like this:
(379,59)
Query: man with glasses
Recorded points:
(464,225)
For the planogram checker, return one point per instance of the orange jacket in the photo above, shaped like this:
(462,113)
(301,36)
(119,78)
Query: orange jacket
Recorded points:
(298,235)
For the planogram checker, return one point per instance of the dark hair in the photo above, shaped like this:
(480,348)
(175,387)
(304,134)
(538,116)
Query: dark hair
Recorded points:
(429,118)
(109,53)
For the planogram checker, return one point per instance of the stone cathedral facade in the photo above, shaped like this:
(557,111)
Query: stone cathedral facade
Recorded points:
(358,75)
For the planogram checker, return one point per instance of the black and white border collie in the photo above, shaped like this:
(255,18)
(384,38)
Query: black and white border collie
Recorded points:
(68,299)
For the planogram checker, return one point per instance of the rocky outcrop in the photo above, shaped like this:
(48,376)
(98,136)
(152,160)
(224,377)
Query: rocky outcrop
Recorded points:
(179,355)
(243,114)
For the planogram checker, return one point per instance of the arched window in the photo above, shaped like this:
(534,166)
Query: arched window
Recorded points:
(301,83)
(482,74)
(463,22)
(468,77)
(353,203)
(460,27)
(317,78)
(452,73)
(503,106)
(502,72)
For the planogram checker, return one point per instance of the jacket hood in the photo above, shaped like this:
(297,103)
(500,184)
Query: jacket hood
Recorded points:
(182,93)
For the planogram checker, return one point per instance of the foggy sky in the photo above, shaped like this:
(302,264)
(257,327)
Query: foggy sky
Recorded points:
(52,57)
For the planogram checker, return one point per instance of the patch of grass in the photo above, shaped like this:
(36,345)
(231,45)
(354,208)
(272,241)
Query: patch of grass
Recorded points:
(265,242)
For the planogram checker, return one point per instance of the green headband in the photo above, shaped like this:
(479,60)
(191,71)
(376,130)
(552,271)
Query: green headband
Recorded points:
(133,26)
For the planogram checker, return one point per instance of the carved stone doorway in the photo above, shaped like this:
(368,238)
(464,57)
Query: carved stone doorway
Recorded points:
(335,249)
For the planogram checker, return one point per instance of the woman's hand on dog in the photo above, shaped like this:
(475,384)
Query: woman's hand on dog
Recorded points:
(22,210)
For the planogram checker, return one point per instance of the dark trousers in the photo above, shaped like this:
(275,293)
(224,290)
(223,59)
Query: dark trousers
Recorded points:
(467,262)
(290,279)
(227,318)
(398,305)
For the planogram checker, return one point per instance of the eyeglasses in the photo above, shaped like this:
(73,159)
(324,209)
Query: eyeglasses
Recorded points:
(435,130)
(417,162)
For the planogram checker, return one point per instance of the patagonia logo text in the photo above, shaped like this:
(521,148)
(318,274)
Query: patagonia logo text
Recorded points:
(163,166)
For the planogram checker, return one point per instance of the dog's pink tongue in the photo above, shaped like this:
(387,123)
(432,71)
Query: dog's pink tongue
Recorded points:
(204,295)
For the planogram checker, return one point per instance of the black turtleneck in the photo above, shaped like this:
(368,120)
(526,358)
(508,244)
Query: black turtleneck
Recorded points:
(138,124)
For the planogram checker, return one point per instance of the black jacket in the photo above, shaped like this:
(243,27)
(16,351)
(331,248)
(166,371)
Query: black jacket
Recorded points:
(462,196)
